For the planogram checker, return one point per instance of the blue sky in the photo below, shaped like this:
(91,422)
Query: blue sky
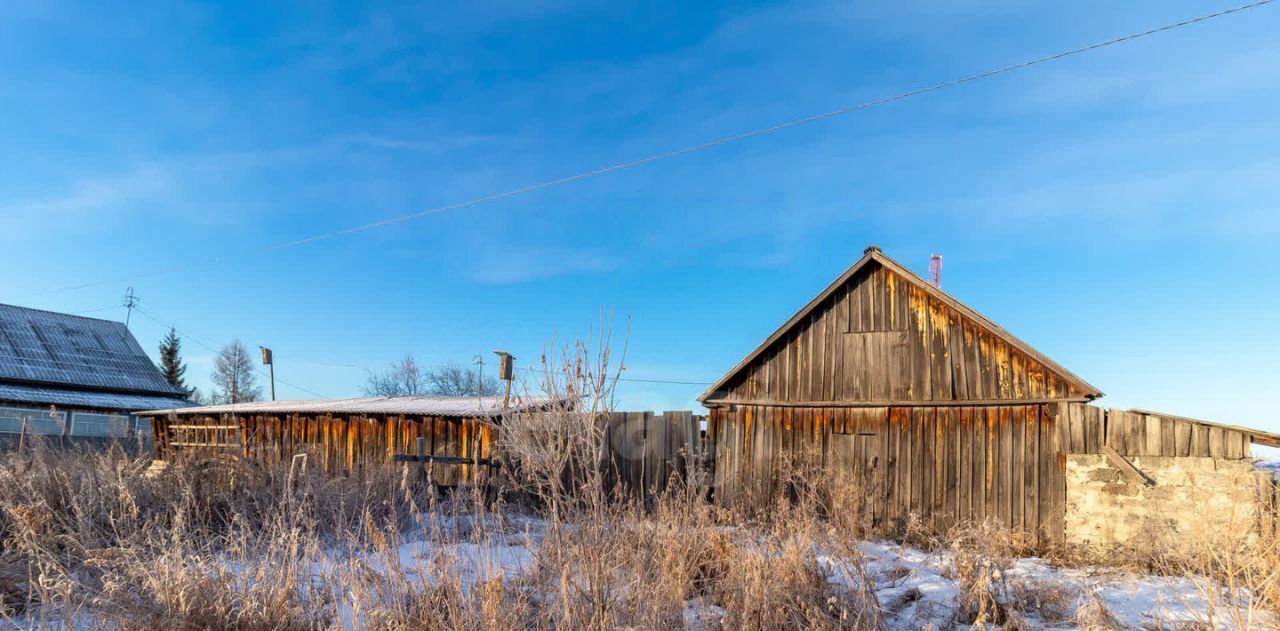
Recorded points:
(1119,210)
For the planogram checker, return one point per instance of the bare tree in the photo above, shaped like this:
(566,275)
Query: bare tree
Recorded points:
(233,378)
(405,378)
(458,381)
(400,379)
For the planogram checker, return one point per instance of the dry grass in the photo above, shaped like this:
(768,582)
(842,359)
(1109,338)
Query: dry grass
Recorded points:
(279,548)
(1238,571)
(238,546)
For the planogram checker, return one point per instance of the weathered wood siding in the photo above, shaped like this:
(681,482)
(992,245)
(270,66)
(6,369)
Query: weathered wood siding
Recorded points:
(646,453)
(948,464)
(945,464)
(1088,428)
(336,443)
(880,338)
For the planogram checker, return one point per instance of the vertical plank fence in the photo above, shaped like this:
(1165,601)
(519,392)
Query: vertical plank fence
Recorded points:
(646,454)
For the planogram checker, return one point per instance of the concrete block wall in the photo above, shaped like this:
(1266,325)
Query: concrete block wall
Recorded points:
(1190,497)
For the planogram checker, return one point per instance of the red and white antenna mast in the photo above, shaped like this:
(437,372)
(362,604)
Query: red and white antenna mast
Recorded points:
(935,270)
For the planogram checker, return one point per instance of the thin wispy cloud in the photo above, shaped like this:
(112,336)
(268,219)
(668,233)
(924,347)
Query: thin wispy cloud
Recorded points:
(88,199)
(522,264)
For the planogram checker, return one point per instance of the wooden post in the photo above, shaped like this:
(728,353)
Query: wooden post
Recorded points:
(420,450)
(22,438)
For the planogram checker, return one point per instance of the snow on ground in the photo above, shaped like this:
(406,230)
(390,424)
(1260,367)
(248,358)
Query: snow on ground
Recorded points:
(914,588)
(915,591)
(1270,465)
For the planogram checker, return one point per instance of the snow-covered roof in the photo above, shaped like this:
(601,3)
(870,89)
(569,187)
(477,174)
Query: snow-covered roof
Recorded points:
(418,405)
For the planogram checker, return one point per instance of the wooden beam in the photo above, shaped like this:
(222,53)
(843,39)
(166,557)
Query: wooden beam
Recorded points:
(897,403)
(434,459)
(1126,467)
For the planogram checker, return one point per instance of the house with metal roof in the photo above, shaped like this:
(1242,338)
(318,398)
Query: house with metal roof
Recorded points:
(72,376)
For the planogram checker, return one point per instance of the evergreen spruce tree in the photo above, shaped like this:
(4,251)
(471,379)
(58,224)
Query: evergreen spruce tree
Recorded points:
(171,362)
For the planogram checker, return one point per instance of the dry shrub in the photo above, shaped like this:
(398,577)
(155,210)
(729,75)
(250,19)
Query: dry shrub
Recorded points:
(1234,569)
(981,556)
(1093,615)
(776,582)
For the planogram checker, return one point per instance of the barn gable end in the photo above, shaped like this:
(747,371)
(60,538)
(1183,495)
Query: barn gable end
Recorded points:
(880,334)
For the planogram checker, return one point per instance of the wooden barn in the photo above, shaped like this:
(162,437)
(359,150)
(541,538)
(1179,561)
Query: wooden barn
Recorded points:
(931,407)
(343,435)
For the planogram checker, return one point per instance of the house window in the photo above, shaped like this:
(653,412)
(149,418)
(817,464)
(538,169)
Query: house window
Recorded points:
(101,425)
(38,420)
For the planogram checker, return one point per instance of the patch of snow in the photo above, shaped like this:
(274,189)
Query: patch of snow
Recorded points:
(700,615)
(1272,466)
(914,590)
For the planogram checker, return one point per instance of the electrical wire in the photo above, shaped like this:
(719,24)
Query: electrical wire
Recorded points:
(198,341)
(663,156)
(705,145)
(638,380)
(97,310)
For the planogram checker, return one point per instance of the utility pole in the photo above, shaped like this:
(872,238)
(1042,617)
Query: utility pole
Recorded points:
(267,361)
(129,302)
(479,362)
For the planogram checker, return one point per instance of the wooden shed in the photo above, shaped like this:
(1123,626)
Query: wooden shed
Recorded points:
(934,409)
(342,435)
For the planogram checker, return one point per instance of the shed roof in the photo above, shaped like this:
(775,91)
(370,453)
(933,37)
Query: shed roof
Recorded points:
(1270,439)
(59,349)
(873,254)
(465,407)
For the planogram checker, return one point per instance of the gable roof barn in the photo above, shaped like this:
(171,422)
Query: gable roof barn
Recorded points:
(880,334)
(62,359)
(933,412)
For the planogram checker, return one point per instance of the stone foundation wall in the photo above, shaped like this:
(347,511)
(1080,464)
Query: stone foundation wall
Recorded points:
(1191,497)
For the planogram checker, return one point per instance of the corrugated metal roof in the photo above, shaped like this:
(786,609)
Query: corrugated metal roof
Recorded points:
(43,347)
(419,405)
(123,402)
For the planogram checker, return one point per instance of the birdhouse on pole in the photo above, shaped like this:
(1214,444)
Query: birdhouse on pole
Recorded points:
(506,371)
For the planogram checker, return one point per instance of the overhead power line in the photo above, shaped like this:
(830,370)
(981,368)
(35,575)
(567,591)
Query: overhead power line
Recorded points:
(679,382)
(776,127)
(211,349)
(669,381)
(99,309)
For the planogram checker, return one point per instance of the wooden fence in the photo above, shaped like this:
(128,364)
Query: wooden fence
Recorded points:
(645,453)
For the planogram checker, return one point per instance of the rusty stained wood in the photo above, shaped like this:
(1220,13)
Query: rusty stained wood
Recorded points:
(879,335)
(944,465)
(1132,433)
(340,444)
